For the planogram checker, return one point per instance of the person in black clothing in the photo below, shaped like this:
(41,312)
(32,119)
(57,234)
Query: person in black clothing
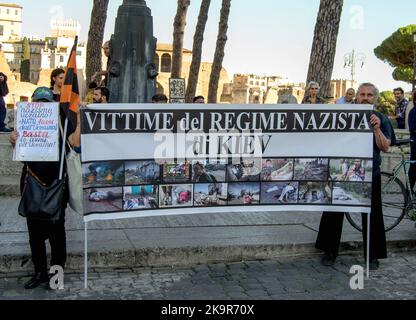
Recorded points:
(330,229)
(312,94)
(199,99)
(4,91)
(159,98)
(101,95)
(98,75)
(400,111)
(57,81)
(412,130)
(40,230)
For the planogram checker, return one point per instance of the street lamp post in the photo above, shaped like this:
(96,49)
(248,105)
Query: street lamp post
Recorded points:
(351,59)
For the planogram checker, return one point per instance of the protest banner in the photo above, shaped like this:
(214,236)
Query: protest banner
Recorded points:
(141,160)
(38,128)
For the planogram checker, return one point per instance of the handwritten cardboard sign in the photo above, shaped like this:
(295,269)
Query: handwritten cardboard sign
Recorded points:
(38,129)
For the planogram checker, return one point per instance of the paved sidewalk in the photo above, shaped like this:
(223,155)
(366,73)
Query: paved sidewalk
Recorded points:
(185,240)
(283,279)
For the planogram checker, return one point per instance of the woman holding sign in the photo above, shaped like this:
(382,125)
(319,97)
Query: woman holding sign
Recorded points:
(40,230)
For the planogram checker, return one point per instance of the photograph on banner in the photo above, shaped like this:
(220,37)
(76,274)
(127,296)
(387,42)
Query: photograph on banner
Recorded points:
(315,169)
(176,88)
(142,172)
(210,194)
(246,194)
(298,164)
(247,170)
(358,170)
(103,200)
(277,170)
(315,193)
(279,192)
(103,174)
(349,193)
(38,128)
(205,171)
(176,172)
(180,195)
(140,197)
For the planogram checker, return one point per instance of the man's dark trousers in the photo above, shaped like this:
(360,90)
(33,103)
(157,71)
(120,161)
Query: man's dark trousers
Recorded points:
(330,229)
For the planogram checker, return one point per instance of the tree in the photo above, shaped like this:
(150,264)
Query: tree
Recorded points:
(219,52)
(386,103)
(178,34)
(197,50)
(25,63)
(324,44)
(96,37)
(397,51)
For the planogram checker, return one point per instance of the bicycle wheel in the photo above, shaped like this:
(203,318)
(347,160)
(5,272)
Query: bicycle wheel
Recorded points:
(393,199)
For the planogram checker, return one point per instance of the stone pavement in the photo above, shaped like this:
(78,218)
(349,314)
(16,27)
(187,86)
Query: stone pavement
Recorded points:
(283,279)
(183,240)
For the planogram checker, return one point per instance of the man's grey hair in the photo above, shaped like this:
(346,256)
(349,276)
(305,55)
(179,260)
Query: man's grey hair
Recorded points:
(311,83)
(369,84)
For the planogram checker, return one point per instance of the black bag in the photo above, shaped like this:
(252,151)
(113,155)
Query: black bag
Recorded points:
(40,202)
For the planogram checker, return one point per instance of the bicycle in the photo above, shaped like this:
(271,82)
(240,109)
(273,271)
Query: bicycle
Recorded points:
(397,199)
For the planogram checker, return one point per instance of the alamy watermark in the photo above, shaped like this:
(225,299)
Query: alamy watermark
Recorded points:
(357,280)
(57,280)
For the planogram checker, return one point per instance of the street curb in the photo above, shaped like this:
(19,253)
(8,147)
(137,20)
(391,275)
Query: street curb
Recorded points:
(190,256)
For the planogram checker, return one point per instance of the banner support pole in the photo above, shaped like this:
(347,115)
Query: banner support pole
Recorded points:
(368,246)
(85,255)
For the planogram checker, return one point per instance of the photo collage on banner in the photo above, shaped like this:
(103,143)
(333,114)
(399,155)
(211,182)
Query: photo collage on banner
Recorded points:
(117,186)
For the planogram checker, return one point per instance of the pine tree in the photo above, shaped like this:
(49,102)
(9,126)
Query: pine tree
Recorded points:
(324,45)
(219,52)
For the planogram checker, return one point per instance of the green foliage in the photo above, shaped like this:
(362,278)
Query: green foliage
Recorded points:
(386,103)
(397,51)
(25,64)
(403,74)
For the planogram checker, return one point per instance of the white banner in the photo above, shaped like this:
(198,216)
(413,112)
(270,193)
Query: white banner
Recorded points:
(149,160)
(38,129)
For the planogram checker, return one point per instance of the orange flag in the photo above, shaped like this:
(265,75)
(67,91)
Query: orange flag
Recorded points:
(70,90)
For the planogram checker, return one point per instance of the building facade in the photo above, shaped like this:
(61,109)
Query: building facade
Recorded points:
(340,86)
(255,89)
(163,62)
(13,51)
(65,28)
(10,22)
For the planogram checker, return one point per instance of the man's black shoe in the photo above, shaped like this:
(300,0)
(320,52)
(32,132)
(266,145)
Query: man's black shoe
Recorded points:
(36,280)
(374,264)
(328,259)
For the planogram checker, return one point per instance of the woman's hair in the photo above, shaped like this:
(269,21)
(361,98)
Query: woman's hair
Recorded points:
(310,84)
(54,74)
(414,97)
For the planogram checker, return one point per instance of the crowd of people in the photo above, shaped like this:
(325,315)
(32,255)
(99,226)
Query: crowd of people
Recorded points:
(330,229)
